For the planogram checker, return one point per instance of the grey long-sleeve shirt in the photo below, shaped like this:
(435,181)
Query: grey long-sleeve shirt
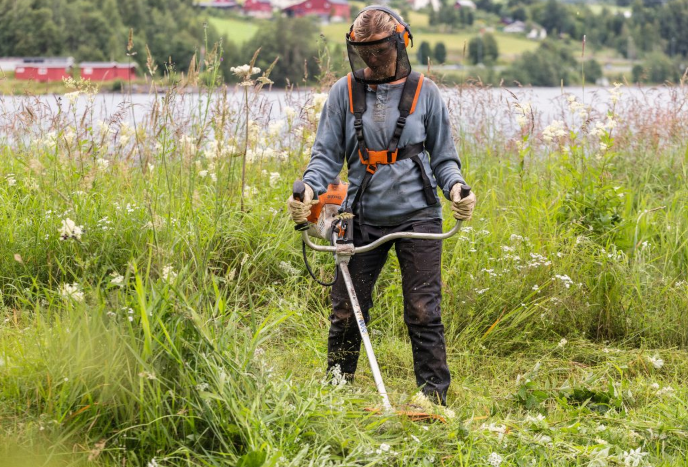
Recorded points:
(395,193)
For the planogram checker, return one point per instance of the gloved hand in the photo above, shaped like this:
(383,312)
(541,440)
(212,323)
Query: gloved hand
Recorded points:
(299,211)
(463,208)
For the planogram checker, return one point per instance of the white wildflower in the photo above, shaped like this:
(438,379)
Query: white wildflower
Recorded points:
(168,274)
(615,93)
(68,135)
(152,463)
(539,420)
(481,291)
(665,390)
(104,128)
(11,181)
(337,378)
(287,267)
(203,173)
(250,191)
(656,361)
(72,97)
(566,280)
(536,288)
(69,229)
(384,447)
(562,343)
(633,458)
(102,163)
(274,178)
(542,439)
(553,131)
(117,279)
(213,177)
(494,459)
(290,113)
(72,291)
(654,386)
(244,71)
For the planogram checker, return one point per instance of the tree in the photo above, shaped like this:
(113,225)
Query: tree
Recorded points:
(424,53)
(476,50)
(483,49)
(546,66)
(491,48)
(440,52)
(290,39)
(592,70)
(656,68)
(98,29)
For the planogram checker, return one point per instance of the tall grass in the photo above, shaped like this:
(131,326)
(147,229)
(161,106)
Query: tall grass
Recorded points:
(189,334)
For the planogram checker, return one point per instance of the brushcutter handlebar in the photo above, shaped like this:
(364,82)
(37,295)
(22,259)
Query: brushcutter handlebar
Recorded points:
(465,191)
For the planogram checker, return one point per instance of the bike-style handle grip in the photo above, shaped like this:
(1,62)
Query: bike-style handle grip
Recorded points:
(299,190)
(465,191)
(299,193)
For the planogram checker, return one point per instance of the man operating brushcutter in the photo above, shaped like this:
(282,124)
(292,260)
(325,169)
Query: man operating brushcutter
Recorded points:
(392,129)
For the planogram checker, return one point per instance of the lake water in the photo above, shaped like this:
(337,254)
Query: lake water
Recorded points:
(491,108)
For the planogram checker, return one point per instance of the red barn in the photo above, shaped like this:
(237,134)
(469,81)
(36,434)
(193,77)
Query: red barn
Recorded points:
(333,10)
(258,8)
(44,69)
(107,71)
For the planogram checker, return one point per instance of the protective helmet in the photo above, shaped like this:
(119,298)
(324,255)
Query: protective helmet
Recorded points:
(383,60)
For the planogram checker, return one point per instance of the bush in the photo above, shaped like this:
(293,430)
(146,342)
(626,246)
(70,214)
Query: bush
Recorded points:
(424,53)
(440,52)
(483,49)
(292,42)
(547,66)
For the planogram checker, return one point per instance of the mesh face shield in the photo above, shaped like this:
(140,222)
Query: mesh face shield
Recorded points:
(381,61)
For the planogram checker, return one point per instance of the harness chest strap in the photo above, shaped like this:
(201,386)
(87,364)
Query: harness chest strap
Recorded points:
(371,158)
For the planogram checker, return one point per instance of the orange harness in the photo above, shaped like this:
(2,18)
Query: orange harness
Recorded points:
(372,158)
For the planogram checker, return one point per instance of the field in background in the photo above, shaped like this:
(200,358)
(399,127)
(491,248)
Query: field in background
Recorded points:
(238,30)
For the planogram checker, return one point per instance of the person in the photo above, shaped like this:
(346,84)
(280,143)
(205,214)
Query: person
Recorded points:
(391,126)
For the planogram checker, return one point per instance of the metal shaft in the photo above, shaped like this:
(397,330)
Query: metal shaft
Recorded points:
(344,268)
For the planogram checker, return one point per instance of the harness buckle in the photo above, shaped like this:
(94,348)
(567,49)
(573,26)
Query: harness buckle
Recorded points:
(392,156)
(371,168)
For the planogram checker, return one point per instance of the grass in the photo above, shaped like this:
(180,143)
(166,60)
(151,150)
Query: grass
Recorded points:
(238,30)
(190,334)
(509,45)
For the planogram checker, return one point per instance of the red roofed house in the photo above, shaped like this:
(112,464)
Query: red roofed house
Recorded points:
(258,8)
(44,69)
(333,10)
(107,71)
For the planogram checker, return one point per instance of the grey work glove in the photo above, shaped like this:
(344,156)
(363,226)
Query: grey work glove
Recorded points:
(299,211)
(463,208)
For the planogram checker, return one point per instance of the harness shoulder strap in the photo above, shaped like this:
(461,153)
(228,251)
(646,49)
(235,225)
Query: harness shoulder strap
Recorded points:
(409,97)
(357,106)
(357,90)
(407,105)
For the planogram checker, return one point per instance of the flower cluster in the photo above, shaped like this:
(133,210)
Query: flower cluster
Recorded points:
(71,291)
(69,230)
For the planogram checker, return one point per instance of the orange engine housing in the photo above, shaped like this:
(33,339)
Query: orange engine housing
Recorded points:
(335,194)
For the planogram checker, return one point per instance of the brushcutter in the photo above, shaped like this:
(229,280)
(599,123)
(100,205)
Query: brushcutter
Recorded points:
(325,222)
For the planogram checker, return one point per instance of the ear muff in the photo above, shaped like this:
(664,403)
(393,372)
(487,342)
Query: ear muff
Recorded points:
(403,30)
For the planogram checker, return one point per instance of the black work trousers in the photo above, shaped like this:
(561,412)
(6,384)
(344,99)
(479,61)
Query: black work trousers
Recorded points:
(420,262)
